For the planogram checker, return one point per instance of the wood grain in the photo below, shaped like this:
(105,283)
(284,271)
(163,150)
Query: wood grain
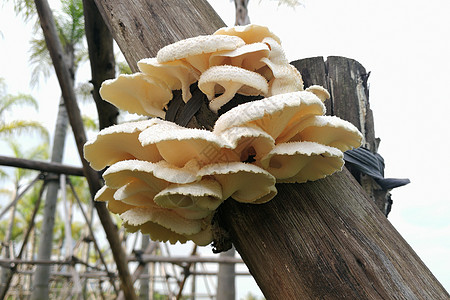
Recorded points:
(141,28)
(326,240)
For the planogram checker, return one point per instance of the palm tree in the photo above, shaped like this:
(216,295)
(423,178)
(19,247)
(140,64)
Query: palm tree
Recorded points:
(8,103)
(70,27)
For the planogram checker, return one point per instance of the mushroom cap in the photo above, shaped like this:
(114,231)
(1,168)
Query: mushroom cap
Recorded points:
(178,145)
(120,142)
(155,175)
(137,93)
(319,91)
(205,195)
(157,232)
(137,193)
(106,194)
(277,56)
(197,50)
(327,130)
(230,80)
(247,56)
(247,142)
(291,81)
(251,33)
(302,161)
(273,114)
(243,182)
(160,233)
(177,74)
(164,217)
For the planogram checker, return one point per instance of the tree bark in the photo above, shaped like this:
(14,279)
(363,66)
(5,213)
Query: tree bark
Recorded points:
(141,28)
(101,57)
(241,7)
(226,278)
(312,242)
(64,78)
(42,274)
(346,80)
(317,240)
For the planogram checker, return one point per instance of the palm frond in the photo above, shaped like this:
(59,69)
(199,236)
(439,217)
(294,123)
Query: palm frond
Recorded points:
(21,126)
(26,8)
(90,123)
(8,102)
(123,67)
(3,176)
(40,60)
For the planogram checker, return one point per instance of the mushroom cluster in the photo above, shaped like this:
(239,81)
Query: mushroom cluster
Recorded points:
(167,180)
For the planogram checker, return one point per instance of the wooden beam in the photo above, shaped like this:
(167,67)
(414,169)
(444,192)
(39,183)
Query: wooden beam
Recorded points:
(318,240)
(42,166)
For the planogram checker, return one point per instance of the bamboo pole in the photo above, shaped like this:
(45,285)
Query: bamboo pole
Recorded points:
(91,233)
(13,266)
(64,78)
(42,166)
(318,240)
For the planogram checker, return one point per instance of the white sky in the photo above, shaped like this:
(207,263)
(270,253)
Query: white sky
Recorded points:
(405,46)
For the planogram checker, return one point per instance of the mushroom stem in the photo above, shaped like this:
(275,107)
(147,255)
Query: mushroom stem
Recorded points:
(216,103)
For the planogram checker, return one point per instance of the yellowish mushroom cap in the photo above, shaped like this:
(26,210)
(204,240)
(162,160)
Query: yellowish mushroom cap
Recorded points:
(247,142)
(137,93)
(273,114)
(247,56)
(160,233)
(319,91)
(177,74)
(290,81)
(120,142)
(302,161)
(230,80)
(243,182)
(205,195)
(137,193)
(251,33)
(164,217)
(106,194)
(197,50)
(156,175)
(327,130)
(157,232)
(179,145)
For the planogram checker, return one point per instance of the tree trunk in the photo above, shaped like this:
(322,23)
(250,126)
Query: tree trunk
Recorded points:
(64,78)
(226,278)
(144,283)
(101,57)
(42,274)
(346,80)
(241,7)
(318,240)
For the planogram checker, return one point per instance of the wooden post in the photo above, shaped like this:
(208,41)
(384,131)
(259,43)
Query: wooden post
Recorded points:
(318,240)
(346,79)
(64,78)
